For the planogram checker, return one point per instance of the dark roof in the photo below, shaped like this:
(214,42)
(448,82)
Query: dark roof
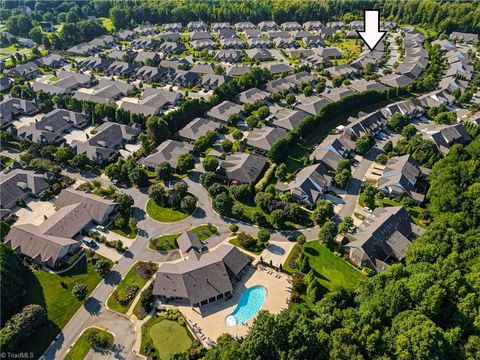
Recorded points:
(245,168)
(16,183)
(169,150)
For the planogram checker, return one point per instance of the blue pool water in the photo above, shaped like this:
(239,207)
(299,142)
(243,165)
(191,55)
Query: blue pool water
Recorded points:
(248,306)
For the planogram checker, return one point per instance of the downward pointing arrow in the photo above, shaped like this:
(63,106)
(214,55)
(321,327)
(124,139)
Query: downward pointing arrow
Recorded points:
(371,24)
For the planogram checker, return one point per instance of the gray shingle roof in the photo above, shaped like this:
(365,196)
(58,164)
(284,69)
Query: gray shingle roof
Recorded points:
(245,168)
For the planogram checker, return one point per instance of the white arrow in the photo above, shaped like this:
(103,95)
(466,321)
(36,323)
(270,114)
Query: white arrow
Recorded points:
(371,24)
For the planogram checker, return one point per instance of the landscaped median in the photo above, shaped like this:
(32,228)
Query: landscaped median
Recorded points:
(164,214)
(169,241)
(122,297)
(91,338)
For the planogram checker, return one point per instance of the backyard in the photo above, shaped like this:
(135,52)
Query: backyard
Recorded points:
(82,345)
(165,337)
(130,286)
(54,293)
(163,214)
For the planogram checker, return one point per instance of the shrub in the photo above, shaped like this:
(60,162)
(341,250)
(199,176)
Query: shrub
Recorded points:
(233,228)
(146,270)
(247,241)
(301,239)
(226,145)
(130,294)
(259,186)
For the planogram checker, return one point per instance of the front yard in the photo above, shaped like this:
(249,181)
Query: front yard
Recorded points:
(130,286)
(54,293)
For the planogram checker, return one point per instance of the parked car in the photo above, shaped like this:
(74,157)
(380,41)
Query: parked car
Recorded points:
(90,243)
(101,228)
(367,209)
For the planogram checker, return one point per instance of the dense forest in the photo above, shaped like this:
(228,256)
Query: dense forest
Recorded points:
(81,26)
(427,308)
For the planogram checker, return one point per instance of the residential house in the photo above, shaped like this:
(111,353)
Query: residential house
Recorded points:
(259,43)
(301,78)
(27,71)
(262,139)
(311,104)
(173,27)
(383,238)
(239,70)
(100,209)
(220,25)
(242,168)
(83,49)
(64,83)
(279,85)
(251,95)
(310,184)
(151,74)
(395,80)
(241,26)
(291,26)
(229,56)
(285,43)
(226,33)
(268,26)
(50,129)
(153,102)
(202,278)
(212,81)
(169,151)
(300,53)
(13,108)
(205,44)
(400,176)
(145,43)
(197,26)
(287,119)
(367,85)
(468,38)
(335,94)
(312,25)
(445,136)
(232,43)
(121,68)
(18,185)
(313,41)
(197,128)
(259,54)
(104,92)
(183,78)
(52,61)
(93,63)
(223,111)
(366,124)
(330,52)
(277,68)
(169,47)
(103,144)
(147,57)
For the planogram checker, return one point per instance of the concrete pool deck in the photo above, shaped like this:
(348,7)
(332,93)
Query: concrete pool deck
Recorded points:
(211,317)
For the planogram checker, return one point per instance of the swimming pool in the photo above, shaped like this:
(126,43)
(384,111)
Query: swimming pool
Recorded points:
(248,306)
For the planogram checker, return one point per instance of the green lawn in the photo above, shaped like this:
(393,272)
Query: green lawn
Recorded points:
(332,271)
(132,278)
(164,242)
(203,232)
(46,289)
(166,337)
(82,346)
(292,257)
(164,214)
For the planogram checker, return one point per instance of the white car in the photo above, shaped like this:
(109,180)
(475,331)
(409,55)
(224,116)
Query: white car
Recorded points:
(367,209)
(101,228)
